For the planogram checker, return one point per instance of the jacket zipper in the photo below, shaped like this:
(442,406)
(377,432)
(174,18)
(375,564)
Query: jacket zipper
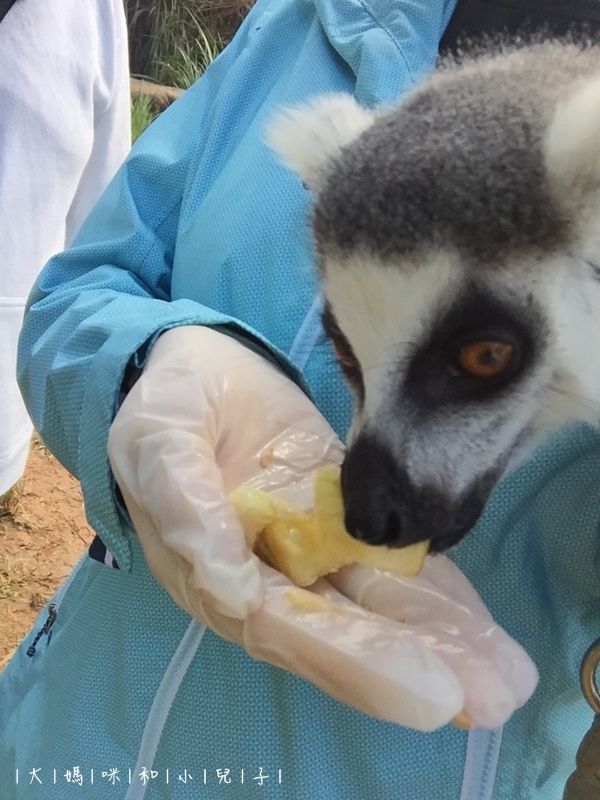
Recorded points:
(481,764)
(46,629)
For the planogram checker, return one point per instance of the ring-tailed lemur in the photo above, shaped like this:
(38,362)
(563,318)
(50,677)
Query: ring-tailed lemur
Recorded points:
(458,240)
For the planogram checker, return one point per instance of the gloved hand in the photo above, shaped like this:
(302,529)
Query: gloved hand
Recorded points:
(207,415)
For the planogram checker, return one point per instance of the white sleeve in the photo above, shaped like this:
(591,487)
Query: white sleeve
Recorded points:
(64,130)
(112,114)
(64,126)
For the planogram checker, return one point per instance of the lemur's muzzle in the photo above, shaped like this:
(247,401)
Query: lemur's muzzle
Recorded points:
(383,505)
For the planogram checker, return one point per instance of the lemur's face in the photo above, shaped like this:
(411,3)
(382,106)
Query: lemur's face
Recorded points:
(456,377)
(458,298)
(447,373)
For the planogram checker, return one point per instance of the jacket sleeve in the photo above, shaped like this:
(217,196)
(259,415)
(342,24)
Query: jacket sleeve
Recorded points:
(100,305)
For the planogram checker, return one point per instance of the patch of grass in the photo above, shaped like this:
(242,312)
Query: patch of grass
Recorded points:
(17,576)
(12,577)
(12,510)
(10,502)
(8,644)
(173,41)
(183,46)
(142,114)
(37,601)
(189,60)
(37,443)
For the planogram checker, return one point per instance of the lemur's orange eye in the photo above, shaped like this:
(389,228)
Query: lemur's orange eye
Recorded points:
(485,359)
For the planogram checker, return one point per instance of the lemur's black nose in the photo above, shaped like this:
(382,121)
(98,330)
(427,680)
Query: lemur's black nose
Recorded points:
(383,506)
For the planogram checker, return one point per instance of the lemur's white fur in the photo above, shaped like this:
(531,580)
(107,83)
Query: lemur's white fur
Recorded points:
(308,137)
(572,145)
(365,296)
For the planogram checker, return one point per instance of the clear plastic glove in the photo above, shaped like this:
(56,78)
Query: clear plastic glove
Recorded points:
(208,415)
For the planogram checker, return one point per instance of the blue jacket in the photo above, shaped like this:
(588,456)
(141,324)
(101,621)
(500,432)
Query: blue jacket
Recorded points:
(203,226)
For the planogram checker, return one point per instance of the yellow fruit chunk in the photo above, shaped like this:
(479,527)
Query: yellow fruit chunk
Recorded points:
(306,546)
(309,602)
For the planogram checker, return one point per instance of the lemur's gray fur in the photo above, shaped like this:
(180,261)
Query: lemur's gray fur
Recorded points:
(469,214)
(460,160)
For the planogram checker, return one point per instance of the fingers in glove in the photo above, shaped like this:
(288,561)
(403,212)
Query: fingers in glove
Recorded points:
(496,673)
(173,490)
(447,577)
(362,659)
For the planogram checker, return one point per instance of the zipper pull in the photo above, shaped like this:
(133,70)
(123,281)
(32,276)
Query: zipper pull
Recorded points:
(45,629)
(584,783)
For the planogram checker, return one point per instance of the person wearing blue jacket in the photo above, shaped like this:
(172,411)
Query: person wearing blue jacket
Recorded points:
(175,352)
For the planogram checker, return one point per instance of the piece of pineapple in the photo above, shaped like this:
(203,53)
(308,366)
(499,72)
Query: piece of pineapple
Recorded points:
(306,546)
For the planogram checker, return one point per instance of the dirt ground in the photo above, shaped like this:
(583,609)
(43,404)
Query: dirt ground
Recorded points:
(42,534)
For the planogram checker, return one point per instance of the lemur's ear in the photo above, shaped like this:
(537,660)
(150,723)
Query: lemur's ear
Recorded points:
(572,143)
(308,137)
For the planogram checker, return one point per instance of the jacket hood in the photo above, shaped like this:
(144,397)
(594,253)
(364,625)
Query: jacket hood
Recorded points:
(388,44)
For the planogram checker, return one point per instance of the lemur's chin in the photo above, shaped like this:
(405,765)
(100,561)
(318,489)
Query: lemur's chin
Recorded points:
(452,538)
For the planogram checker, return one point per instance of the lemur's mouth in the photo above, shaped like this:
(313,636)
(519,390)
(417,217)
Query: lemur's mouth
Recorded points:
(383,505)
(457,529)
